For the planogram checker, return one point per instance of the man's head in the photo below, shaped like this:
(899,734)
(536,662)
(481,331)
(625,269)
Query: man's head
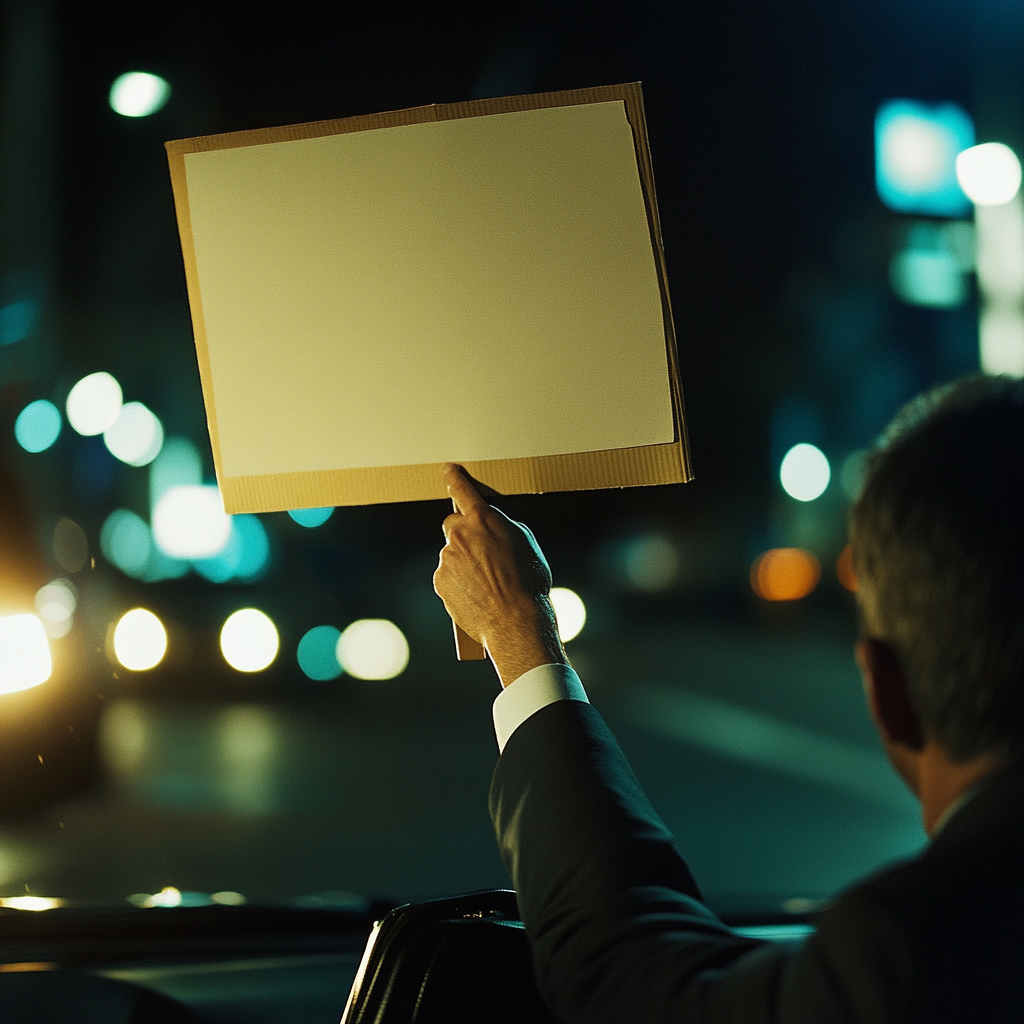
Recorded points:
(938,548)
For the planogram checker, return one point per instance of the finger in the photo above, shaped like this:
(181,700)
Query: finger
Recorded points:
(464,494)
(450,522)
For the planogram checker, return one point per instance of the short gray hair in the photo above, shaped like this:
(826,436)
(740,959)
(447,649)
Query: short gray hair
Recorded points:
(938,549)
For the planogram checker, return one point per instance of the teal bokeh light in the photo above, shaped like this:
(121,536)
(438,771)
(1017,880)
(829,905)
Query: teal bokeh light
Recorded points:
(223,565)
(126,541)
(310,517)
(916,146)
(255,547)
(243,558)
(316,654)
(17,321)
(38,425)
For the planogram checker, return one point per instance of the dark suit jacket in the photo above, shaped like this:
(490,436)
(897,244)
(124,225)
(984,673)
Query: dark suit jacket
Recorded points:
(619,932)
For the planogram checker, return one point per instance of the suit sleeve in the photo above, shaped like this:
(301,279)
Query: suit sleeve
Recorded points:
(615,919)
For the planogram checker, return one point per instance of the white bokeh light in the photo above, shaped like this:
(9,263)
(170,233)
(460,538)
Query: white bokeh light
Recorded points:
(136,436)
(24,653)
(140,640)
(55,606)
(1000,252)
(138,94)
(805,472)
(94,403)
(373,649)
(168,896)
(34,903)
(190,522)
(249,640)
(989,174)
(570,612)
(1001,339)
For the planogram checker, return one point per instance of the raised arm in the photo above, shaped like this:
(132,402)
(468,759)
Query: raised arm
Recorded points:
(614,916)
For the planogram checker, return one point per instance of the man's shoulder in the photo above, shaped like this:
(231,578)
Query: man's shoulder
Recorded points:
(948,925)
(980,850)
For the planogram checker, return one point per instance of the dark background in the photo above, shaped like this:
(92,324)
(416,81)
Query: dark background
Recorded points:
(760,117)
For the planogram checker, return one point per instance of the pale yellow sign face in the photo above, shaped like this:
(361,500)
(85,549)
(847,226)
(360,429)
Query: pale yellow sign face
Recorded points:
(466,290)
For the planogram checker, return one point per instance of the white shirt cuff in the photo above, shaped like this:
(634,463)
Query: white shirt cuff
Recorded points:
(529,693)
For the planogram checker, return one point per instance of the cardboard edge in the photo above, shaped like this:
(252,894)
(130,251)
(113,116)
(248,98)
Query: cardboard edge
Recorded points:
(634,102)
(179,187)
(611,468)
(398,118)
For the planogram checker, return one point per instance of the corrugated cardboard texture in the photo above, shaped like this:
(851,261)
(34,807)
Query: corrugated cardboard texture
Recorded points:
(487,291)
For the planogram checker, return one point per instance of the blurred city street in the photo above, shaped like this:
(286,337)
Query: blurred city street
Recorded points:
(379,789)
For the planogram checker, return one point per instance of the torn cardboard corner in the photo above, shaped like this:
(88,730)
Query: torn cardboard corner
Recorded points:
(478,282)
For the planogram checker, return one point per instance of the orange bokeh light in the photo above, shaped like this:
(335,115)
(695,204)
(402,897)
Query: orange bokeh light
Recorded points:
(844,569)
(784,574)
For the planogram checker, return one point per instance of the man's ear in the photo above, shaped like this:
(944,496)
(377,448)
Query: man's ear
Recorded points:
(888,694)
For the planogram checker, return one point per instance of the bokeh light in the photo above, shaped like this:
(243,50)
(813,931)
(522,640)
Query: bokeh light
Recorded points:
(1000,264)
(17,320)
(136,436)
(1001,340)
(55,606)
(94,403)
(163,567)
(38,425)
(190,522)
(228,898)
(138,94)
(851,473)
(650,562)
(784,574)
(310,517)
(805,472)
(249,745)
(990,173)
(126,737)
(318,653)
(179,464)
(140,640)
(168,896)
(570,612)
(244,557)
(221,567)
(24,653)
(373,649)
(255,544)
(999,253)
(844,570)
(249,640)
(126,542)
(931,279)
(916,147)
(70,545)
(34,903)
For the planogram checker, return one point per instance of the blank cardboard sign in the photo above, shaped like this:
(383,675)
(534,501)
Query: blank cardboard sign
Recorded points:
(480,283)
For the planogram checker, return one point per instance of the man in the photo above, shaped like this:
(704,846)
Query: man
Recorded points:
(615,919)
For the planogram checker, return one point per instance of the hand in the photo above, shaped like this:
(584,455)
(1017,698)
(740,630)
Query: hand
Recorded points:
(494,581)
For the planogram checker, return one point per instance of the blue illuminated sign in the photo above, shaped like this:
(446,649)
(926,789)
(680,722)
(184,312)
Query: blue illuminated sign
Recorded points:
(916,147)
